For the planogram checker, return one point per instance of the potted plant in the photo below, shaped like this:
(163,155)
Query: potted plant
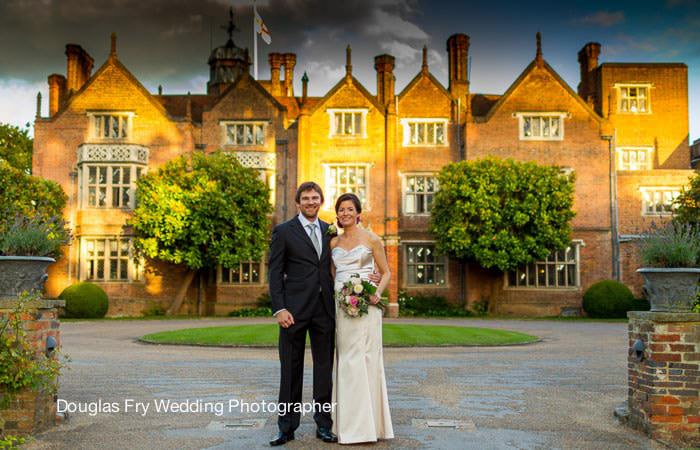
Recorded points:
(671,258)
(28,245)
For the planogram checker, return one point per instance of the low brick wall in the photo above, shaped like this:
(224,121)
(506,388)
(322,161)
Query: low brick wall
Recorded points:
(664,386)
(30,412)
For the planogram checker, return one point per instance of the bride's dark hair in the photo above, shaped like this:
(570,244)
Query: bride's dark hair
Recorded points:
(349,196)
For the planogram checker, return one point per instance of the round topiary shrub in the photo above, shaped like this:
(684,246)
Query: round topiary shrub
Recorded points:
(85,301)
(609,299)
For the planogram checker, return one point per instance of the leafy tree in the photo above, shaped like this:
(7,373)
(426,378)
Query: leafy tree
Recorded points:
(16,146)
(201,211)
(688,204)
(32,207)
(501,213)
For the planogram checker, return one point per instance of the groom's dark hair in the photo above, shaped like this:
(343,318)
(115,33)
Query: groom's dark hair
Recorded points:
(308,186)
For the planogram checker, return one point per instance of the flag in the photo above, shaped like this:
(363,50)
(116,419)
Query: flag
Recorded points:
(260,28)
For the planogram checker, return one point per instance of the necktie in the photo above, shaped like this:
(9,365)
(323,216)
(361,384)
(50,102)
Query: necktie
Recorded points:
(314,238)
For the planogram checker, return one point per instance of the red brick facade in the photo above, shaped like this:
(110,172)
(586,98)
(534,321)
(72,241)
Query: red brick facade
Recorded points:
(380,144)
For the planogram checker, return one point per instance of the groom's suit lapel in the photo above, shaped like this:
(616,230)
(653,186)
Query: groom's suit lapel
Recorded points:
(301,234)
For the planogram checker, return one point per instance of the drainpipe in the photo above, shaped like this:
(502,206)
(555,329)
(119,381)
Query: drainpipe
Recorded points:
(615,241)
(285,178)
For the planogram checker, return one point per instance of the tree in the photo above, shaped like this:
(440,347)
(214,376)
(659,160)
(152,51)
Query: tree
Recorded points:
(201,211)
(16,147)
(688,204)
(501,213)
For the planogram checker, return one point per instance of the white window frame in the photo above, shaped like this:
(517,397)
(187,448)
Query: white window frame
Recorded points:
(94,117)
(621,153)
(328,204)
(406,126)
(446,264)
(225,124)
(653,190)
(331,122)
(84,178)
(576,244)
(135,266)
(537,114)
(620,86)
(262,274)
(405,193)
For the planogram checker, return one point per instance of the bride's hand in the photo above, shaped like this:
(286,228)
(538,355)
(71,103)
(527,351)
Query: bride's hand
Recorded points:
(374,278)
(374,299)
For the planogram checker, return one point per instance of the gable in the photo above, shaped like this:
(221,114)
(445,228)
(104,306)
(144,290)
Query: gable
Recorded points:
(113,87)
(247,97)
(348,93)
(541,89)
(425,96)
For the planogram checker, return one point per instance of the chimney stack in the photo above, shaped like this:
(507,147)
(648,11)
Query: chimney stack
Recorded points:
(57,91)
(290,60)
(275,60)
(304,87)
(348,62)
(78,67)
(457,53)
(588,62)
(384,65)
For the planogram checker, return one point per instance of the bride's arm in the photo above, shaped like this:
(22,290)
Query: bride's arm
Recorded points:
(333,243)
(381,262)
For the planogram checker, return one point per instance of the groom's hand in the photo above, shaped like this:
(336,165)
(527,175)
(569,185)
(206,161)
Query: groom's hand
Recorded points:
(374,278)
(285,319)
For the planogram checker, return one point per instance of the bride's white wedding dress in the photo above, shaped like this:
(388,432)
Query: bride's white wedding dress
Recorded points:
(359,387)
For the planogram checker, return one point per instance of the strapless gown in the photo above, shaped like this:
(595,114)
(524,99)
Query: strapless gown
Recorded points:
(359,386)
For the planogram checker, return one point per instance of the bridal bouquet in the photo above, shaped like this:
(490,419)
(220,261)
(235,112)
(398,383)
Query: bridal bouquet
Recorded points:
(353,297)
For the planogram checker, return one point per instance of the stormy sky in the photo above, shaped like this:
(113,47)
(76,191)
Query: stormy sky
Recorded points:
(167,42)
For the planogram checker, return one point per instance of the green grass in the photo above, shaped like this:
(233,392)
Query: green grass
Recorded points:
(394,335)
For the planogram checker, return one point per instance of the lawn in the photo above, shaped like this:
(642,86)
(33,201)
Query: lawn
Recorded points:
(394,335)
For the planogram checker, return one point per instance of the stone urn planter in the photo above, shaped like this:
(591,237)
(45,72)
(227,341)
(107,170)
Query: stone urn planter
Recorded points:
(22,273)
(671,289)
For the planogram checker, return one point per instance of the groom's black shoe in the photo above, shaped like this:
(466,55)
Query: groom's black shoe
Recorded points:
(325,435)
(282,438)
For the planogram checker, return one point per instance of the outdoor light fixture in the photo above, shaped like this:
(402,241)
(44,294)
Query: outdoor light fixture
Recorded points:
(638,349)
(51,345)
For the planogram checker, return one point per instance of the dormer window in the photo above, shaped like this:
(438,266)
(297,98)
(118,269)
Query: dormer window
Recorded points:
(348,122)
(633,99)
(544,126)
(111,126)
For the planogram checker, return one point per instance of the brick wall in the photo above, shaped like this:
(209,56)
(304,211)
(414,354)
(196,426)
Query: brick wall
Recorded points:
(664,387)
(30,412)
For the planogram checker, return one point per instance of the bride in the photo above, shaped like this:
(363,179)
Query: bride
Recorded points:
(359,388)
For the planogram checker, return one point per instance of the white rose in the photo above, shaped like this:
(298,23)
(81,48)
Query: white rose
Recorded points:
(357,289)
(356,280)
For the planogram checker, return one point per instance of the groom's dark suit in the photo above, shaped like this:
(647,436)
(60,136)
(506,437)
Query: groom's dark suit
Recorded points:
(301,283)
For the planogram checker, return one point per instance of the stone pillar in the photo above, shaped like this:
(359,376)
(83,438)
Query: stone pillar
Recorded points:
(31,411)
(664,376)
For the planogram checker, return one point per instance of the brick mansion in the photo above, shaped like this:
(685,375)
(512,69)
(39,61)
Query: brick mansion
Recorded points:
(623,131)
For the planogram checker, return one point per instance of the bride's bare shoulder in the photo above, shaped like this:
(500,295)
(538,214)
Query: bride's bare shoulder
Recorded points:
(334,242)
(372,238)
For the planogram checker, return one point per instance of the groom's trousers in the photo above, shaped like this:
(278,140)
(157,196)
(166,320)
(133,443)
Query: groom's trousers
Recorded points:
(292,342)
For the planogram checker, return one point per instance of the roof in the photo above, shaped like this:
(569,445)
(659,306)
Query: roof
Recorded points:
(481,104)
(345,80)
(176,105)
(645,64)
(419,77)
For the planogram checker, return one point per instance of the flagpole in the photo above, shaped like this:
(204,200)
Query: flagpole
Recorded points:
(255,46)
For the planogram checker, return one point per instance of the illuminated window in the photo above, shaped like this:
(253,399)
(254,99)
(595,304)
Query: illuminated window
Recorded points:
(417,132)
(423,266)
(342,178)
(244,133)
(110,186)
(113,126)
(348,122)
(633,99)
(109,259)
(558,271)
(244,273)
(659,200)
(541,127)
(419,192)
(634,159)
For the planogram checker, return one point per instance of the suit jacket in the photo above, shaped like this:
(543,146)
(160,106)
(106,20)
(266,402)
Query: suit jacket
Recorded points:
(297,275)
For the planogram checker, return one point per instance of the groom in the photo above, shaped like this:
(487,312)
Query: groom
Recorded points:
(301,291)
